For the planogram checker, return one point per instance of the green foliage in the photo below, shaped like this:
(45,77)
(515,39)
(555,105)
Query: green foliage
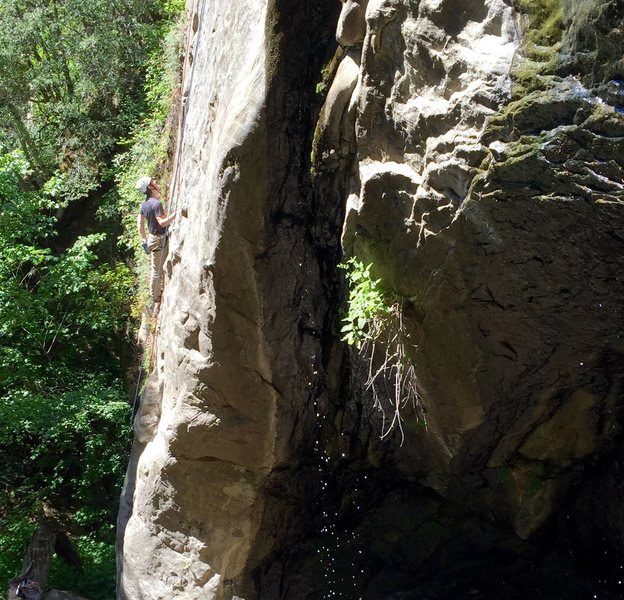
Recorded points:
(73,95)
(148,144)
(15,534)
(68,451)
(71,75)
(55,308)
(375,324)
(368,307)
(64,412)
(94,581)
(23,216)
(147,149)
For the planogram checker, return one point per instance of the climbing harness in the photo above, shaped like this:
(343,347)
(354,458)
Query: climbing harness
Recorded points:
(174,189)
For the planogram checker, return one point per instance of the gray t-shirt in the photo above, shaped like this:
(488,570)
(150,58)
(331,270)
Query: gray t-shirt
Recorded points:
(151,209)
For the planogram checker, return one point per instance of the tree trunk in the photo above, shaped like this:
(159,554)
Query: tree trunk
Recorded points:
(38,559)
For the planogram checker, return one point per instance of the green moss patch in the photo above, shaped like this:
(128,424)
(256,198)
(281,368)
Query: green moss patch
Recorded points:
(545,26)
(542,40)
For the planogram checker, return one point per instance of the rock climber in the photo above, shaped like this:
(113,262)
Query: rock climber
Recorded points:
(153,241)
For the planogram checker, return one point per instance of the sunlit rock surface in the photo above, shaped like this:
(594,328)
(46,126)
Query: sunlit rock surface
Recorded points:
(237,332)
(471,150)
(196,501)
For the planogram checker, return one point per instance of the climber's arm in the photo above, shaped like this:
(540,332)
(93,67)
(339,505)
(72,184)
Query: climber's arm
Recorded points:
(141,226)
(163,221)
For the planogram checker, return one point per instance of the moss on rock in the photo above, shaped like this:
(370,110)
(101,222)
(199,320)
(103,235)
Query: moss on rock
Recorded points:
(543,35)
(545,21)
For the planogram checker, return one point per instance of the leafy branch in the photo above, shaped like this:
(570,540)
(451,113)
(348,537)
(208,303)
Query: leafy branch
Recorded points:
(368,305)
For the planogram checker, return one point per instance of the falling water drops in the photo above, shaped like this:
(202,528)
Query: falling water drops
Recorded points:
(340,554)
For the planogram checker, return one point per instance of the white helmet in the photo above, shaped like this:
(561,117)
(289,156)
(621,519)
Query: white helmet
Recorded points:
(142,184)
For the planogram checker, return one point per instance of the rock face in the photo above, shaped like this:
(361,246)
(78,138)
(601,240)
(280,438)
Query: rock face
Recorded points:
(239,317)
(472,152)
(500,216)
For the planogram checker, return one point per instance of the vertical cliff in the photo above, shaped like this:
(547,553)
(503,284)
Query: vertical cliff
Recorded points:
(239,330)
(472,152)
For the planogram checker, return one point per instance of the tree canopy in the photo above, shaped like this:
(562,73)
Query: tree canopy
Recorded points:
(71,80)
(73,91)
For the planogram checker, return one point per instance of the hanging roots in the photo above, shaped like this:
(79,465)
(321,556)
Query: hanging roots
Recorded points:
(391,371)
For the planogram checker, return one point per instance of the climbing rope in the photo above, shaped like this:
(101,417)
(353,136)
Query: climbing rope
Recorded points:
(174,192)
